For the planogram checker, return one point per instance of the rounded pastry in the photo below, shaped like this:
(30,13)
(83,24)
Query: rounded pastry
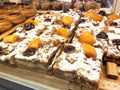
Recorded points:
(3,16)
(2,11)
(56,5)
(5,25)
(16,17)
(91,5)
(45,5)
(13,9)
(28,11)
(67,5)
(37,4)
(79,5)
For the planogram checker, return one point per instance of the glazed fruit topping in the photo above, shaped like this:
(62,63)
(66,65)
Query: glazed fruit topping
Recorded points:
(95,16)
(10,38)
(89,50)
(67,20)
(87,37)
(102,35)
(113,17)
(34,22)
(103,13)
(116,42)
(29,52)
(63,32)
(35,43)
(28,26)
(113,24)
(82,21)
(69,49)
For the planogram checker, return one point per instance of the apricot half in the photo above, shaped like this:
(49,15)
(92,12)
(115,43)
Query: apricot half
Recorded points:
(67,20)
(87,37)
(94,16)
(113,17)
(89,50)
(63,32)
(10,38)
(35,43)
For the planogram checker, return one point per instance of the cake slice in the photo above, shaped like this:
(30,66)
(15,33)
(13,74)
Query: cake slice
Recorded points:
(29,29)
(39,58)
(79,61)
(113,52)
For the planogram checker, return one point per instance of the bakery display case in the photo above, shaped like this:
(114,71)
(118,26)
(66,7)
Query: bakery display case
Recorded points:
(59,45)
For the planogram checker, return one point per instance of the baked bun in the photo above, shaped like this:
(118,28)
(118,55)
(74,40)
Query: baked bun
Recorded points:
(5,25)
(13,9)
(28,11)
(45,5)
(79,5)
(91,5)
(56,5)
(67,5)
(16,17)
(2,11)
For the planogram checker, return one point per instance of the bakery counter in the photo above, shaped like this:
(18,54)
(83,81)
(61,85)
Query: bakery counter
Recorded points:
(32,80)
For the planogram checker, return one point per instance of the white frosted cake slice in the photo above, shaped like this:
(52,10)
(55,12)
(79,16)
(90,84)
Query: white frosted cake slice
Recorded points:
(50,30)
(29,29)
(79,61)
(113,49)
(47,45)
(7,46)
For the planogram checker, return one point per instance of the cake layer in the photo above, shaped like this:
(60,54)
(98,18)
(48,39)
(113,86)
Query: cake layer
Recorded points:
(40,39)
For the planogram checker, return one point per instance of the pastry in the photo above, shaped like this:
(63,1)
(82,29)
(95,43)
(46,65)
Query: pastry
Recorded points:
(91,5)
(16,18)
(79,5)
(56,5)
(46,5)
(28,11)
(5,25)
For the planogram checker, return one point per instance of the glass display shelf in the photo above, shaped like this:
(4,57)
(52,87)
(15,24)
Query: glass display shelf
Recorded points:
(11,82)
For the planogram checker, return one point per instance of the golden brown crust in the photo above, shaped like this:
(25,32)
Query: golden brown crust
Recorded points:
(79,5)
(13,9)
(46,5)
(3,16)
(16,18)
(91,5)
(5,25)
(2,11)
(28,11)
